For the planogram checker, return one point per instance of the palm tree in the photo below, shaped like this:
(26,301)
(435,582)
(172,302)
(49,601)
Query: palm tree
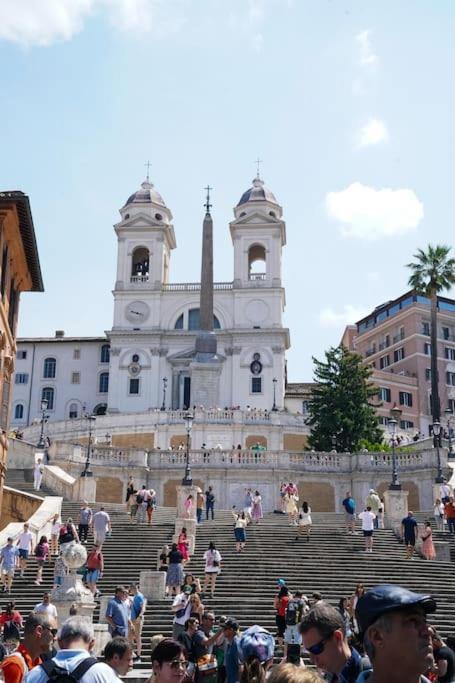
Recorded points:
(432,272)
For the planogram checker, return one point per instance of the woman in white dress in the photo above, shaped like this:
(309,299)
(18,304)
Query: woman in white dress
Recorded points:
(290,501)
(305,521)
(55,533)
(212,559)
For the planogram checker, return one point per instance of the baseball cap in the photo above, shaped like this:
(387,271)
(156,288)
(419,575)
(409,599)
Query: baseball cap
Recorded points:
(281,582)
(387,598)
(256,642)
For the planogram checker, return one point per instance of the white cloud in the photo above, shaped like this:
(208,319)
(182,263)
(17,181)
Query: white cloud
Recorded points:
(44,22)
(258,42)
(349,315)
(370,214)
(256,10)
(367,54)
(373,132)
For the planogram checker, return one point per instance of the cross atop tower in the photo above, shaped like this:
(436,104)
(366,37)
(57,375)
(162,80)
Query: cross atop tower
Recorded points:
(148,164)
(207,204)
(258,163)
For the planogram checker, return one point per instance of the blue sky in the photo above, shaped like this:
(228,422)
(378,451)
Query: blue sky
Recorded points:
(349,104)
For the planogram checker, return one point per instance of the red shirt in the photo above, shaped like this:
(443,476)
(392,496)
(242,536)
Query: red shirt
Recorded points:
(449,511)
(13,667)
(282,605)
(15,617)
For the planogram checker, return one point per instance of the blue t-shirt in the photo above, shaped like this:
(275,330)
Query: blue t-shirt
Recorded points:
(231,660)
(349,505)
(136,605)
(8,557)
(410,526)
(117,610)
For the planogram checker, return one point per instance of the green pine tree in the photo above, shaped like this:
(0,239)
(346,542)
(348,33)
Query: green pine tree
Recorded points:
(342,414)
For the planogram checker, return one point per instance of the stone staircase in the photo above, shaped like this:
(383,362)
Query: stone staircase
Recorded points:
(331,563)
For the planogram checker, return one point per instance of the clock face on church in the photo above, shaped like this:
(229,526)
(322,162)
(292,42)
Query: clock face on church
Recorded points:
(137,312)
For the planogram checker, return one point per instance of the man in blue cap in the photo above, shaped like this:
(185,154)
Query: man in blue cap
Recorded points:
(396,635)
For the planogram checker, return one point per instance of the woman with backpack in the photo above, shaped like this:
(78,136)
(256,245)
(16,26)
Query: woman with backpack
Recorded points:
(41,554)
(151,505)
(212,559)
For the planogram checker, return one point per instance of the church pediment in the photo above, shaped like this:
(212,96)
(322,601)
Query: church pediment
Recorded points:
(256,218)
(140,220)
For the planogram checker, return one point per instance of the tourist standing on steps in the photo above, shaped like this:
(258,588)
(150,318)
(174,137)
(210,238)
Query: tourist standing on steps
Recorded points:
(68,533)
(212,559)
(240,524)
(295,610)
(55,533)
(290,501)
(138,605)
(163,558)
(189,506)
(203,641)
(357,594)
(199,506)
(46,607)
(174,576)
(209,502)
(449,512)
(438,514)
(151,504)
(118,655)
(368,517)
(85,519)
(95,569)
(248,504)
(280,604)
(141,500)
(256,512)
(41,555)
(349,505)
(183,545)
(38,474)
(409,529)
(118,614)
(374,502)
(25,545)
(101,524)
(231,657)
(8,555)
(181,607)
(130,491)
(305,521)
(428,550)
(60,571)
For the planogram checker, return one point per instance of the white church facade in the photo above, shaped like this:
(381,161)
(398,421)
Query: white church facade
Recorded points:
(143,362)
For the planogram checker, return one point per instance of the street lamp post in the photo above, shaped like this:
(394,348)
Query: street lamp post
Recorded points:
(449,415)
(86,472)
(188,479)
(274,408)
(334,443)
(163,405)
(437,431)
(44,419)
(395,484)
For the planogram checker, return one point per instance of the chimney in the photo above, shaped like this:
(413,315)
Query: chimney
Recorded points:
(59,334)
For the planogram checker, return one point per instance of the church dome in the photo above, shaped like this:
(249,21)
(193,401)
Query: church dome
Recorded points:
(258,192)
(146,195)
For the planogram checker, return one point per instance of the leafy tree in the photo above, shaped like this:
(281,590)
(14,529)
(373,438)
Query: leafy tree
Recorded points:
(432,272)
(340,412)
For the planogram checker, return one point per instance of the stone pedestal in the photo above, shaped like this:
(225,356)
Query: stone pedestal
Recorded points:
(86,489)
(102,637)
(188,524)
(152,584)
(72,591)
(205,383)
(396,507)
(103,607)
(442,549)
(182,494)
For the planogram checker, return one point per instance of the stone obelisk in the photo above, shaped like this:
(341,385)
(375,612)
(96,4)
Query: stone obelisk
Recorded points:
(206,366)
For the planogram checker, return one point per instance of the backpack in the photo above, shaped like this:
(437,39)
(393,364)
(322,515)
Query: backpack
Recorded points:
(11,631)
(66,534)
(39,552)
(139,499)
(293,612)
(56,674)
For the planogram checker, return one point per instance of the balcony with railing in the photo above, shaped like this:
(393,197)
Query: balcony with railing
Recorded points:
(257,276)
(139,279)
(193,286)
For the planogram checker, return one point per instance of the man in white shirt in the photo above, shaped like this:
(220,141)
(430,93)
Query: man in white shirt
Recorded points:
(46,607)
(101,524)
(76,639)
(38,474)
(25,545)
(445,491)
(368,517)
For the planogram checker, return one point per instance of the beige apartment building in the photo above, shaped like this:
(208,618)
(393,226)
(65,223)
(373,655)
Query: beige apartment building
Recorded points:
(394,339)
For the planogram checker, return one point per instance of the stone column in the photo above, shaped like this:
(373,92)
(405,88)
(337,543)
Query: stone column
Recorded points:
(85,489)
(396,508)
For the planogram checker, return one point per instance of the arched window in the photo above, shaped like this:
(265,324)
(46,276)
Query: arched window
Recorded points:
(19,411)
(100,409)
(105,353)
(47,394)
(179,323)
(140,263)
(50,365)
(194,320)
(73,411)
(103,386)
(256,262)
